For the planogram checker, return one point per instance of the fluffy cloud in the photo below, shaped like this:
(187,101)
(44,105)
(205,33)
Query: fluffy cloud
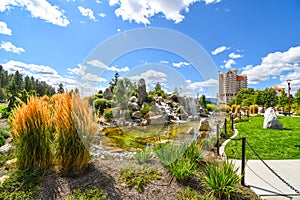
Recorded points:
(180,64)
(97,63)
(219,50)
(9,47)
(141,10)
(151,77)
(40,72)
(234,56)
(275,64)
(39,9)
(102,15)
(228,63)
(4,29)
(86,12)
(200,85)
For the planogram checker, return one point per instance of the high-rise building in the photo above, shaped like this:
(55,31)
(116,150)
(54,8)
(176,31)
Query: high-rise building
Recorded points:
(230,83)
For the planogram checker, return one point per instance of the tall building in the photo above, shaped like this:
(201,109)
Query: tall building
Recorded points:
(230,83)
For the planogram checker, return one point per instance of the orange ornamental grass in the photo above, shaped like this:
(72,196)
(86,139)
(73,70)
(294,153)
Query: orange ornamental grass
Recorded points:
(48,131)
(31,132)
(71,153)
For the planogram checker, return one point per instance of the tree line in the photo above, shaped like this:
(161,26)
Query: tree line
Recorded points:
(14,87)
(266,98)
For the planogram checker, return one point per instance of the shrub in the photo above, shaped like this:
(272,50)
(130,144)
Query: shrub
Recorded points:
(146,109)
(237,109)
(101,104)
(211,107)
(91,194)
(253,109)
(108,114)
(233,108)
(32,133)
(21,184)
(221,178)
(139,175)
(4,112)
(149,99)
(189,194)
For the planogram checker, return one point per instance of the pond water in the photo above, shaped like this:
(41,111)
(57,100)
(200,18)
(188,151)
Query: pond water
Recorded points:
(132,137)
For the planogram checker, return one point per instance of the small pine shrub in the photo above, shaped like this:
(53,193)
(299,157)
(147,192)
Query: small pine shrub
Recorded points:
(254,109)
(91,194)
(189,194)
(146,109)
(233,108)
(138,176)
(108,114)
(237,109)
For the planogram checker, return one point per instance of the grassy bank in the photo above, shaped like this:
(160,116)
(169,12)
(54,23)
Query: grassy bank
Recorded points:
(269,144)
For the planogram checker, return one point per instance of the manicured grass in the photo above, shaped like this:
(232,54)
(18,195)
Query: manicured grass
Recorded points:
(269,144)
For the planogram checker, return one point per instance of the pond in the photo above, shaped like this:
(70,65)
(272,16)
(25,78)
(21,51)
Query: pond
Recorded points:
(129,138)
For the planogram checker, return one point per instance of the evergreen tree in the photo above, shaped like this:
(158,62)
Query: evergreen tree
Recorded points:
(202,101)
(282,99)
(60,89)
(114,81)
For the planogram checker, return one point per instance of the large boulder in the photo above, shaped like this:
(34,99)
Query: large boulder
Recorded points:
(204,125)
(108,94)
(142,93)
(271,121)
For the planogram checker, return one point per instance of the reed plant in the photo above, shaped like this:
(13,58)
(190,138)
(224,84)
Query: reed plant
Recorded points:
(31,133)
(71,154)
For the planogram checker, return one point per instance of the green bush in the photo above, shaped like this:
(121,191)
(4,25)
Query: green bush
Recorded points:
(4,112)
(99,96)
(189,194)
(139,175)
(221,178)
(146,109)
(108,114)
(21,184)
(101,104)
(212,107)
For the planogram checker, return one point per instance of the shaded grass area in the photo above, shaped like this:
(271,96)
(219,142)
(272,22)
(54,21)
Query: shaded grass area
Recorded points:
(269,144)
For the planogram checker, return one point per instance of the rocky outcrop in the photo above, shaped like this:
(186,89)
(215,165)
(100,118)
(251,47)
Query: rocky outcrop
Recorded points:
(108,94)
(203,125)
(142,93)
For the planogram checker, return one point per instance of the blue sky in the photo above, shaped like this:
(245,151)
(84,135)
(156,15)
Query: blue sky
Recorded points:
(179,43)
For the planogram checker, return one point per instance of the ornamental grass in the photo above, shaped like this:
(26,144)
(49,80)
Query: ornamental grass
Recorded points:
(51,131)
(32,133)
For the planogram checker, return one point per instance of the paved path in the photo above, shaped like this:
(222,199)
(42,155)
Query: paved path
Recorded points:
(265,184)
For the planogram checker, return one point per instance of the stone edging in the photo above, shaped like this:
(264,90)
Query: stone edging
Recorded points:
(222,147)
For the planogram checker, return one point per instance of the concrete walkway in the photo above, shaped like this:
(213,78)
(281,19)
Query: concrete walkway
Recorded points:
(267,185)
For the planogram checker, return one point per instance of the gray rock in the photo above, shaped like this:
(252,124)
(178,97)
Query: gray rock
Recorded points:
(7,148)
(108,94)
(157,120)
(134,106)
(116,112)
(133,99)
(137,114)
(142,91)
(271,120)
(204,125)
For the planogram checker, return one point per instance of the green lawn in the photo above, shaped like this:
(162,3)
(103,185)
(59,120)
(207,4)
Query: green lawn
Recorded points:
(269,144)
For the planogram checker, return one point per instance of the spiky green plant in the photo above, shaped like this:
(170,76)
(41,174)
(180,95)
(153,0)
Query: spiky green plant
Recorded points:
(221,178)
(142,156)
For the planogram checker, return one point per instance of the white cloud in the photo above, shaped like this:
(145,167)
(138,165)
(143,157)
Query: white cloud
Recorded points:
(164,62)
(9,47)
(4,29)
(119,30)
(141,11)
(235,56)
(102,15)
(151,77)
(275,64)
(219,50)
(200,85)
(92,78)
(80,70)
(211,1)
(228,63)
(40,72)
(97,63)
(86,12)
(39,9)
(180,64)
(98,1)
